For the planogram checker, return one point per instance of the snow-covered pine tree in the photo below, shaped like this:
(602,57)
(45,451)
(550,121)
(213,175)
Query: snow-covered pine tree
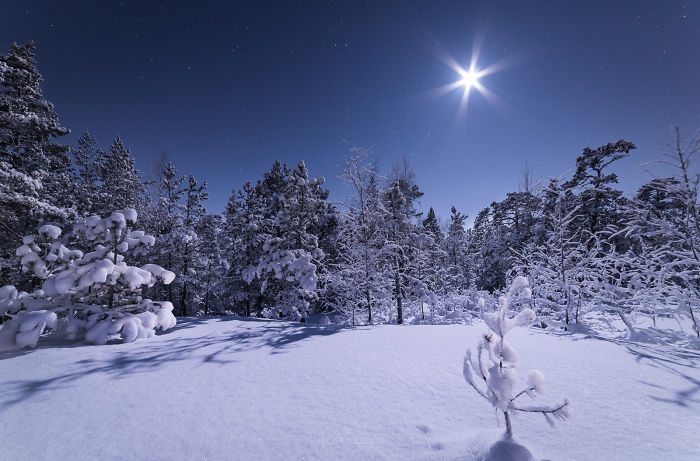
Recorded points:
(517,217)
(85,154)
(243,241)
(491,371)
(290,253)
(120,185)
(598,199)
(456,246)
(432,226)
(323,224)
(490,251)
(194,211)
(168,229)
(426,271)
(35,179)
(211,264)
(429,263)
(396,251)
(95,295)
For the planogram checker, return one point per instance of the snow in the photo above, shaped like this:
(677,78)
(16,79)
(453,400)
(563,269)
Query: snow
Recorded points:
(165,275)
(225,388)
(7,294)
(30,326)
(535,380)
(50,231)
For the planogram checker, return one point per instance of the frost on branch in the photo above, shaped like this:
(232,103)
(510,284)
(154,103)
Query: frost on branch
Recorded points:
(491,371)
(94,295)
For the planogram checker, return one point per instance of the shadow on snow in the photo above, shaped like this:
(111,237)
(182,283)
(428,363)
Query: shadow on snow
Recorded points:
(150,355)
(662,355)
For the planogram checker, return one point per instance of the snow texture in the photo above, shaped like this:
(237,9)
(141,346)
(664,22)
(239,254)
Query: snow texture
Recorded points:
(261,389)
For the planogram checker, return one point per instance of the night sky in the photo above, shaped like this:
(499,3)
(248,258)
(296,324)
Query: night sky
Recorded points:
(226,90)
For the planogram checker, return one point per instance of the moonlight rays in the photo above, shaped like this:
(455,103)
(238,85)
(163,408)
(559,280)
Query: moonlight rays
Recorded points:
(469,78)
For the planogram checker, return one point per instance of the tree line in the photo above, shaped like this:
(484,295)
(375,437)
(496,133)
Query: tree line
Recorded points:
(282,249)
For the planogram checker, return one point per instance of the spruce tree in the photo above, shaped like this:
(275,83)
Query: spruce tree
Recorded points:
(35,178)
(194,211)
(169,223)
(456,246)
(120,185)
(84,157)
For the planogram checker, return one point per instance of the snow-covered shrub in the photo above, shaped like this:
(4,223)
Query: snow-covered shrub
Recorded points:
(492,371)
(94,295)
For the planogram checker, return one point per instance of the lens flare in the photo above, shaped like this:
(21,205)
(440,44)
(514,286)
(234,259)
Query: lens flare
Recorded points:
(470,77)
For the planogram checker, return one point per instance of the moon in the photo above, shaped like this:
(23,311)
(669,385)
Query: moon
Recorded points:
(469,79)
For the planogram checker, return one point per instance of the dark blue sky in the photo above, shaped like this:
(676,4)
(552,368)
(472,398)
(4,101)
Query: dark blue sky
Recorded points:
(226,90)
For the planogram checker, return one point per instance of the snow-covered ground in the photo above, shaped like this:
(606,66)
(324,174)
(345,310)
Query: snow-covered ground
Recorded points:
(255,389)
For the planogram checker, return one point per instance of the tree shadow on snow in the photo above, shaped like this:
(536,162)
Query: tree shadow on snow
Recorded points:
(666,355)
(151,355)
(674,362)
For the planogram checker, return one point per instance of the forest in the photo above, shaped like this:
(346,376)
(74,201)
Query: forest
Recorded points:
(101,251)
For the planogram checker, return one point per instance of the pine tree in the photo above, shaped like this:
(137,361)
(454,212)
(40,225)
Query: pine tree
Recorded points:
(456,246)
(35,178)
(243,241)
(396,250)
(28,123)
(84,156)
(490,251)
(290,254)
(598,199)
(211,264)
(431,225)
(169,223)
(427,271)
(95,295)
(120,185)
(194,211)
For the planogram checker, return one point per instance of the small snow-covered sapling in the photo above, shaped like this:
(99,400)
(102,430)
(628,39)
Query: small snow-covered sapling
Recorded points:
(492,371)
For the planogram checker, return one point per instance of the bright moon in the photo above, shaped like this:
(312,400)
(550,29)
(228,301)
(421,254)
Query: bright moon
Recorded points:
(469,79)
(470,76)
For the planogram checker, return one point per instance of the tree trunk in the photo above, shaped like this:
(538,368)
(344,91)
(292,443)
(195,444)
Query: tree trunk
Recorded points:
(399,307)
(111,287)
(578,306)
(369,307)
(183,306)
(206,296)
(184,296)
(509,427)
(692,316)
(170,286)
(627,323)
